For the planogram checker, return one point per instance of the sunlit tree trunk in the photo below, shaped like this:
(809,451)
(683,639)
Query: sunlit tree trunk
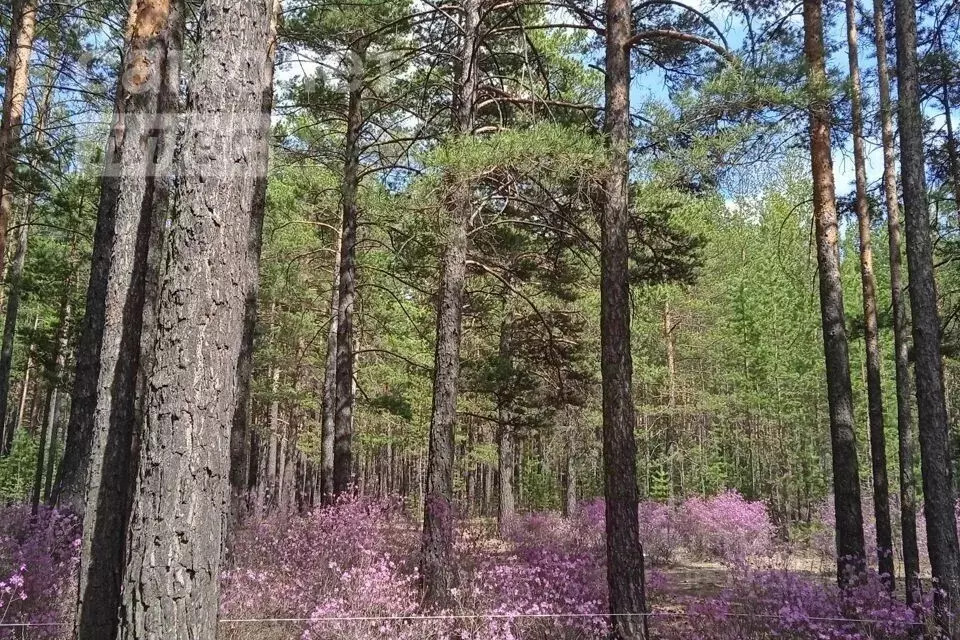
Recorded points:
(23,26)
(131,191)
(177,529)
(878,445)
(851,556)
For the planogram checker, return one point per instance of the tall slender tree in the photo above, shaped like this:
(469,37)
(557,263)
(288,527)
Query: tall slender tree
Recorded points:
(933,426)
(851,556)
(625,570)
(347,275)
(871,334)
(436,563)
(23,26)
(901,329)
(175,543)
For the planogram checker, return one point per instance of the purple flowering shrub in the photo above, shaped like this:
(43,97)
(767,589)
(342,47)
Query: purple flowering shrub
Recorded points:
(345,560)
(355,567)
(781,604)
(725,527)
(39,557)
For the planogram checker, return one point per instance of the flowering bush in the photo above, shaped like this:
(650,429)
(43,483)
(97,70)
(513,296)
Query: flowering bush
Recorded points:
(725,527)
(780,604)
(39,556)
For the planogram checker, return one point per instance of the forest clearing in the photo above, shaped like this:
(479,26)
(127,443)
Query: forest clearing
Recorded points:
(479,320)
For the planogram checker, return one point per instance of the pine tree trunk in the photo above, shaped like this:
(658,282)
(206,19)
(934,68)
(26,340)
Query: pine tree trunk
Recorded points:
(347,283)
(23,25)
(175,544)
(625,568)
(878,445)
(938,491)
(437,573)
(9,334)
(908,494)
(851,557)
(147,97)
(328,419)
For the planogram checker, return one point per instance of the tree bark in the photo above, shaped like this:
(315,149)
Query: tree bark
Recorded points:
(146,99)
(871,338)
(901,323)
(625,568)
(347,284)
(23,26)
(851,557)
(938,491)
(328,419)
(177,529)
(436,562)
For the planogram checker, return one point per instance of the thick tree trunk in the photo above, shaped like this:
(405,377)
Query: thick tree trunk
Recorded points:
(142,131)
(328,418)
(437,573)
(19,51)
(938,491)
(871,338)
(10,332)
(901,328)
(625,568)
(347,283)
(851,557)
(177,528)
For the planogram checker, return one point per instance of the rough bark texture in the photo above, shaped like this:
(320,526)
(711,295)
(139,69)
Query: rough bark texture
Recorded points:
(878,445)
(851,557)
(901,324)
(436,549)
(347,284)
(177,528)
(20,50)
(934,433)
(140,134)
(624,553)
(328,418)
(9,334)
